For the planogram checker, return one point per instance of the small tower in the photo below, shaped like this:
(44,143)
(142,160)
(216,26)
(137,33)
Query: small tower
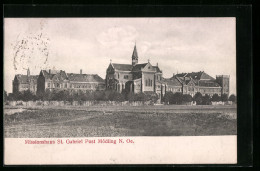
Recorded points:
(134,57)
(28,72)
(223,81)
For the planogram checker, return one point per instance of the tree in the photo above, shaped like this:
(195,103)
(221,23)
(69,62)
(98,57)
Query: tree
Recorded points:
(177,98)
(5,96)
(224,97)
(232,98)
(167,98)
(99,95)
(187,98)
(198,98)
(215,98)
(28,95)
(47,95)
(206,99)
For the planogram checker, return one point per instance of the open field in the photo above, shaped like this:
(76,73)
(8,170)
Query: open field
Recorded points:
(98,121)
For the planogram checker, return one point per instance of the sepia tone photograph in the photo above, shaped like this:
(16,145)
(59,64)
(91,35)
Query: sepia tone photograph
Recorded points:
(110,77)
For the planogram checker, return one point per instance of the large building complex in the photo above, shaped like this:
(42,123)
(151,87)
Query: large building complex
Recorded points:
(60,80)
(133,77)
(145,77)
(57,80)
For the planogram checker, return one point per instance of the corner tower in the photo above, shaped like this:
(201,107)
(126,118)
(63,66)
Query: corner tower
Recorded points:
(134,57)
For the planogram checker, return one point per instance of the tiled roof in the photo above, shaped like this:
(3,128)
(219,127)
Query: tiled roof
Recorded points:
(172,81)
(122,67)
(138,67)
(85,78)
(33,78)
(157,69)
(196,75)
(60,76)
(47,75)
(206,83)
(23,79)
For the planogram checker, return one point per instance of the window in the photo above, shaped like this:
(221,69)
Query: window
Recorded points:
(65,85)
(49,85)
(151,83)
(146,82)
(58,85)
(118,75)
(125,76)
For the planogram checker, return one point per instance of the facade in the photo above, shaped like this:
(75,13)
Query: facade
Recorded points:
(145,77)
(201,82)
(60,80)
(25,82)
(138,78)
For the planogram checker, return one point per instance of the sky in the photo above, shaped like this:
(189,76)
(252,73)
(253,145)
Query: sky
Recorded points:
(176,44)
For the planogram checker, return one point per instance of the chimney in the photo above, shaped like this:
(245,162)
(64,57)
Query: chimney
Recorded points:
(80,71)
(157,64)
(173,74)
(49,71)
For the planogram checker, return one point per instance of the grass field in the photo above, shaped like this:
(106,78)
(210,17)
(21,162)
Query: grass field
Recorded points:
(169,120)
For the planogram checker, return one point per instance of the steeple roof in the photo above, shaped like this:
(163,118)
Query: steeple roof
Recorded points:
(135,55)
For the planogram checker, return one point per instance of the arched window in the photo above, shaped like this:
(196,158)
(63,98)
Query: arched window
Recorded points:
(118,87)
(151,83)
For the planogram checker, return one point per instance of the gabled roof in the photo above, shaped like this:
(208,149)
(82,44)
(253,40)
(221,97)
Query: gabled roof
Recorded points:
(157,69)
(54,74)
(122,67)
(85,78)
(60,76)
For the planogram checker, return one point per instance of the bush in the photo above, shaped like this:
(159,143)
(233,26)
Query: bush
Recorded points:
(5,96)
(215,98)
(198,98)
(206,100)
(167,98)
(187,98)
(176,98)
(224,97)
(232,98)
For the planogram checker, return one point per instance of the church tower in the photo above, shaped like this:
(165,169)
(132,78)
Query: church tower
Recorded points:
(134,57)
(28,72)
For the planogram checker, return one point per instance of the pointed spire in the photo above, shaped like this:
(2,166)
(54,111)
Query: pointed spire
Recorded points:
(134,56)
(28,72)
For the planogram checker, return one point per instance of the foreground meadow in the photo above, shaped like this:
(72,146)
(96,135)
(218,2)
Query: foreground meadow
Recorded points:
(169,120)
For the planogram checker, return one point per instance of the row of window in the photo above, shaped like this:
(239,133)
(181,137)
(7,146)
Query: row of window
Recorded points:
(174,89)
(58,85)
(210,90)
(149,83)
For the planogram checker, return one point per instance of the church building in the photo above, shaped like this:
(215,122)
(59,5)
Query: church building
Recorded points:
(137,77)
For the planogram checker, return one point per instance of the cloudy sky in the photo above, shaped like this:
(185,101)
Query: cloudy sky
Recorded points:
(70,44)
